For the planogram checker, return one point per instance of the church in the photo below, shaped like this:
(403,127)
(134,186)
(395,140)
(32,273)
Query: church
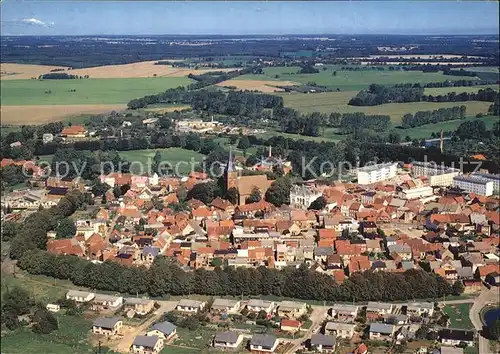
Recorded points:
(244,184)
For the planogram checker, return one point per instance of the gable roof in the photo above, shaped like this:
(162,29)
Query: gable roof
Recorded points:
(145,341)
(106,322)
(226,337)
(164,327)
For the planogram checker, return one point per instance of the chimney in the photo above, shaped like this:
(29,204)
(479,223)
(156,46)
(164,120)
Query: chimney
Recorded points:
(270,151)
(441,144)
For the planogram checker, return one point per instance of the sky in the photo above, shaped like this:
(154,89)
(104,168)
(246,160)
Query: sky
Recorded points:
(31,17)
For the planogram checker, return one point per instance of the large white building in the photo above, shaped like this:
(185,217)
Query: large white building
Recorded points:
(474,184)
(491,177)
(416,193)
(438,175)
(302,196)
(376,173)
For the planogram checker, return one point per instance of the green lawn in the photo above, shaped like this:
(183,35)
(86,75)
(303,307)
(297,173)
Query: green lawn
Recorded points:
(349,80)
(328,102)
(199,338)
(88,91)
(425,131)
(39,287)
(459,316)
(171,155)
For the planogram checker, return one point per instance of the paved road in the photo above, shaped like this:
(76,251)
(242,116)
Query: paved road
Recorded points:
(317,317)
(130,334)
(487,297)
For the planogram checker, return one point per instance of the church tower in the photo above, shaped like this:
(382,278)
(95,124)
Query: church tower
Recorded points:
(230,173)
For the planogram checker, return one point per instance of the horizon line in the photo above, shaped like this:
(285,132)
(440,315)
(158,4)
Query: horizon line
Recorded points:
(496,34)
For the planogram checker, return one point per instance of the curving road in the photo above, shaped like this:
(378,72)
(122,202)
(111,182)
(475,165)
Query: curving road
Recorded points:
(317,317)
(485,298)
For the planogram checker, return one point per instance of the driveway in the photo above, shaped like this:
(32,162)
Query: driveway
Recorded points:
(131,332)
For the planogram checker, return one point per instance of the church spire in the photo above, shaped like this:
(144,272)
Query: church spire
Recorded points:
(230,162)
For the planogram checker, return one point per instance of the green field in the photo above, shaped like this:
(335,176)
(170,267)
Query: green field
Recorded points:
(425,131)
(328,102)
(88,91)
(349,80)
(170,155)
(483,69)
(444,90)
(459,316)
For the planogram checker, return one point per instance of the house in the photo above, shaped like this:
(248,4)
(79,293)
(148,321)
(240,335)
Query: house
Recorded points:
(226,306)
(190,306)
(290,325)
(79,296)
(257,305)
(107,326)
(227,340)
(104,302)
(164,330)
(345,313)
(374,310)
(263,343)
(147,345)
(339,329)
(140,306)
(456,336)
(381,331)
(53,307)
(323,343)
(420,309)
(74,131)
(291,309)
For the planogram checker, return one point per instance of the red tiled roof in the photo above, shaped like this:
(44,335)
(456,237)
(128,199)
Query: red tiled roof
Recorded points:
(290,323)
(68,246)
(73,130)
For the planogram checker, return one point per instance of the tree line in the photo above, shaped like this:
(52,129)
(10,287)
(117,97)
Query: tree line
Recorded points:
(380,94)
(61,76)
(459,72)
(215,77)
(427,117)
(166,278)
(241,103)
(292,121)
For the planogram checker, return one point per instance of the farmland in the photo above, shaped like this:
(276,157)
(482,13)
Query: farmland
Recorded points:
(88,91)
(444,90)
(259,85)
(328,102)
(141,69)
(40,114)
(425,131)
(348,80)
(11,71)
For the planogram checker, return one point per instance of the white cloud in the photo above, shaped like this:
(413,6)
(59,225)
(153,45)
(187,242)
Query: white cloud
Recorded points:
(36,22)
